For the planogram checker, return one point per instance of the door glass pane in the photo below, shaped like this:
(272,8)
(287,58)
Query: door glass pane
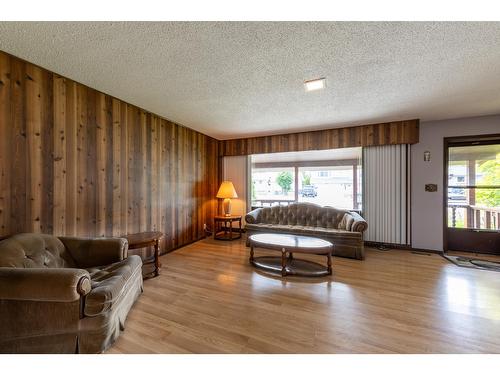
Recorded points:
(474,187)
(457,173)
(488,171)
(473,208)
(476,165)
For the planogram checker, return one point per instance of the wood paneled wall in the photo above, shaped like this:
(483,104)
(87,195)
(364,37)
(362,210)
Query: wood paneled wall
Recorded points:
(74,161)
(389,133)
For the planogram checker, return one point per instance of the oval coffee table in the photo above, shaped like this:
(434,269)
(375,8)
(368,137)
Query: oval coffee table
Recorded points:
(291,244)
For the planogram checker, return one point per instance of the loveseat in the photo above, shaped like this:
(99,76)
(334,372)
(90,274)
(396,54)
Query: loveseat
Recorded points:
(341,227)
(65,294)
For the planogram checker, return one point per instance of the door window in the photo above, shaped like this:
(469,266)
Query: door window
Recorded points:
(473,194)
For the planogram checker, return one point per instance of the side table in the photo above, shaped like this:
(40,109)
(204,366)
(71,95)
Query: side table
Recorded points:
(146,239)
(221,225)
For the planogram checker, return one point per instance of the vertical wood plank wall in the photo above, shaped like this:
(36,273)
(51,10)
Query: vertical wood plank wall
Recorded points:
(74,161)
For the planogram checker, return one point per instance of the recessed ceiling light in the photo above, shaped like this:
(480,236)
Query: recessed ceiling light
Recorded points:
(315,84)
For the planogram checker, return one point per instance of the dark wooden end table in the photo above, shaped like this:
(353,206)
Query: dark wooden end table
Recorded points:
(147,239)
(227,231)
(291,244)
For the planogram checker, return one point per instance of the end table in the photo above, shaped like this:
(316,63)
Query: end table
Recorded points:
(221,225)
(146,239)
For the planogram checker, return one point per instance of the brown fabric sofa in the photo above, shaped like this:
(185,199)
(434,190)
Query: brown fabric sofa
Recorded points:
(65,294)
(343,228)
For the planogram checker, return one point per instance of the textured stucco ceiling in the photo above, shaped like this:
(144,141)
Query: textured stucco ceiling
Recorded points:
(234,79)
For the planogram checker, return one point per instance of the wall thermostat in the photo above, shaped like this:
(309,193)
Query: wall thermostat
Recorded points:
(431,187)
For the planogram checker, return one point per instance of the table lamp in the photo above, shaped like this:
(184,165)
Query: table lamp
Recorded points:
(226,192)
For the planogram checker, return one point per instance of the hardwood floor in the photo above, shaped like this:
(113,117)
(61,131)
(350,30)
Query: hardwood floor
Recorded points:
(208,299)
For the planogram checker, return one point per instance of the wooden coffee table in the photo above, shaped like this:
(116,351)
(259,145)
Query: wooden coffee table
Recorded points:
(291,244)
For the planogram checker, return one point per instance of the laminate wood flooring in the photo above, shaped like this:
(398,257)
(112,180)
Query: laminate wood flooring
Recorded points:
(208,299)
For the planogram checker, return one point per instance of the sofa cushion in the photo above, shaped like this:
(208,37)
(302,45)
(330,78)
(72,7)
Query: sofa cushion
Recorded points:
(320,231)
(33,250)
(346,222)
(109,283)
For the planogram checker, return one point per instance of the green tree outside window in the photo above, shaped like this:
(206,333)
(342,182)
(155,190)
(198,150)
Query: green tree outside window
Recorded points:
(491,176)
(285,180)
(306,179)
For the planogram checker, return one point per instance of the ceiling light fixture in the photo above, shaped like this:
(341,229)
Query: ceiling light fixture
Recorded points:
(315,84)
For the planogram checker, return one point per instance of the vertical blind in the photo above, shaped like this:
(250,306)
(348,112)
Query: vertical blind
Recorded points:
(387,194)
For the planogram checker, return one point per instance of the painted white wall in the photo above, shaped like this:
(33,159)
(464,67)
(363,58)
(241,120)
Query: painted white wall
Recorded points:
(427,207)
(235,170)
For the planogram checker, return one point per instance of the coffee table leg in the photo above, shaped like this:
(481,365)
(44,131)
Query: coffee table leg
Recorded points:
(283,262)
(329,256)
(251,254)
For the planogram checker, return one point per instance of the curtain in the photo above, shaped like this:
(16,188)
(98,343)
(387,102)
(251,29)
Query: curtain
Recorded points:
(387,194)
(235,169)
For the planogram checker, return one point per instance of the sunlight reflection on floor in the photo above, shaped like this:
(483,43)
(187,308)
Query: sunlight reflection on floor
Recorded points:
(467,295)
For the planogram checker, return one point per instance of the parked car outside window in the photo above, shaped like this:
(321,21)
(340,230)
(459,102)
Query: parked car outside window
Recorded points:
(309,191)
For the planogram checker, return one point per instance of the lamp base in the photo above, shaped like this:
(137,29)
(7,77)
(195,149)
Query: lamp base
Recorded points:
(226,206)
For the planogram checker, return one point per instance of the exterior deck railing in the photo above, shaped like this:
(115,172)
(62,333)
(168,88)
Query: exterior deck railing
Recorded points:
(476,217)
(257,203)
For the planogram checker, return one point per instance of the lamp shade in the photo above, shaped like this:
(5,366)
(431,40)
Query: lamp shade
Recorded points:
(226,190)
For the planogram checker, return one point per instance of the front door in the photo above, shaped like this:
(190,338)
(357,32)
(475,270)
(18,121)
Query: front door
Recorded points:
(472,194)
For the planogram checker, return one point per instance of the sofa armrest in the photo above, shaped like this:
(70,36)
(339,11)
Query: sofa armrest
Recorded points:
(91,252)
(253,217)
(359,224)
(43,284)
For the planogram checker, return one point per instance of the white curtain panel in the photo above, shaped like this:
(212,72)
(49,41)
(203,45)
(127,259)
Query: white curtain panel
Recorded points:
(235,169)
(387,194)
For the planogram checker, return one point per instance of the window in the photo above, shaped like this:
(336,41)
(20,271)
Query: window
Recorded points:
(273,184)
(327,186)
(474,186)
(328,178)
